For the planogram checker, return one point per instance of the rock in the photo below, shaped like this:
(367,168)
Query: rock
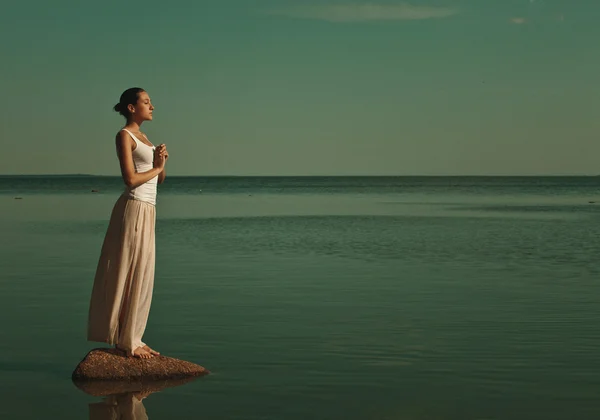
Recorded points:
(106,364)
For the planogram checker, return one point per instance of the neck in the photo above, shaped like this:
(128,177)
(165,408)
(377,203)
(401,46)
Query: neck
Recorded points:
(134,125)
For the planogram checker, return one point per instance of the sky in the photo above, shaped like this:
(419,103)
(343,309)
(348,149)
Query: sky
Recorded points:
(294,87)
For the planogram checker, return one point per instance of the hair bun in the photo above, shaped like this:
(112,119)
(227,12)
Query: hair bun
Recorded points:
(129,97)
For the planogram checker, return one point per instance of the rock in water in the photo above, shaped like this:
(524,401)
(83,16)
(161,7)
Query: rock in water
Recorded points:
(111,365)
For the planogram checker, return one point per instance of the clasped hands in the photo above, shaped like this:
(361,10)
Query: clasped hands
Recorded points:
(160,155)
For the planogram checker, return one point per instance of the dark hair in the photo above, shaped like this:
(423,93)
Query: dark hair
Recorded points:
(130,96)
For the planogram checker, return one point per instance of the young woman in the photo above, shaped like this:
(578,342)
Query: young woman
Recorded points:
(124,279)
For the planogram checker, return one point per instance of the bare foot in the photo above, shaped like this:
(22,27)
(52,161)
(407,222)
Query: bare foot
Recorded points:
(152,352)
(142,353)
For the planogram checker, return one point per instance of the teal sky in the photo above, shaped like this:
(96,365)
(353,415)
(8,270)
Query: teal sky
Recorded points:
(290,87)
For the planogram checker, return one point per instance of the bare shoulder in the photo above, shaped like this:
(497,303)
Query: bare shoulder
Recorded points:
(123,139)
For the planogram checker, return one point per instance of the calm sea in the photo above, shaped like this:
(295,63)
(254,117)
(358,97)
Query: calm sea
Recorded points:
(322,297)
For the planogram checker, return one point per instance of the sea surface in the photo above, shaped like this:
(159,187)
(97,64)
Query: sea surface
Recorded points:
(421,298)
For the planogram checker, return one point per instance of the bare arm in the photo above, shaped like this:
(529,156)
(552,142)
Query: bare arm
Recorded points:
(132,178)
(162,176)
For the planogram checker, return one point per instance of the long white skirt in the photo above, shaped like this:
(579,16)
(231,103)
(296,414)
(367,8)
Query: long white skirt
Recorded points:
(124,281)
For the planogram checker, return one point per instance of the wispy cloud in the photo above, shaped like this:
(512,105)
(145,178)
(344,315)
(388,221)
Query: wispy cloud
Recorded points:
(360,12)
(518,20)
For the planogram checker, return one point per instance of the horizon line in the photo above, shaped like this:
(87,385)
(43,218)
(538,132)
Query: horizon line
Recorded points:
(310,176)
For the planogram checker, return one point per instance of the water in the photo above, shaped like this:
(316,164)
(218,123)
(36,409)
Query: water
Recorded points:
(327,298)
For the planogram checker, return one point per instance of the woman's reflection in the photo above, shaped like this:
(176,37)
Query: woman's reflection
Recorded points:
(127,406)
(123,400)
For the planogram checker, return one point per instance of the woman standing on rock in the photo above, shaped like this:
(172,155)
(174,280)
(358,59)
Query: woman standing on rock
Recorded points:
(124,280)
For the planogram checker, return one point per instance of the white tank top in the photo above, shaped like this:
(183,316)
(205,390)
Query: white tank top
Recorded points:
(143,160)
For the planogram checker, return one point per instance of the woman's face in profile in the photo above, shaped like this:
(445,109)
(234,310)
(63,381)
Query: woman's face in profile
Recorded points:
(143,108)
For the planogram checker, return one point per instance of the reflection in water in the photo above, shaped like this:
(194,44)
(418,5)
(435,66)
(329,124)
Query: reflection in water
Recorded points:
(123,400)
(122,406)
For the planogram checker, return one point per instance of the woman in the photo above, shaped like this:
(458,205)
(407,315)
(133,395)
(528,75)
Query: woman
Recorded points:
(122,290)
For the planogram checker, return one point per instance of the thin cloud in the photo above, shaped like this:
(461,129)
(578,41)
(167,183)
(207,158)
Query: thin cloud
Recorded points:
(354,12)
(518,20)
